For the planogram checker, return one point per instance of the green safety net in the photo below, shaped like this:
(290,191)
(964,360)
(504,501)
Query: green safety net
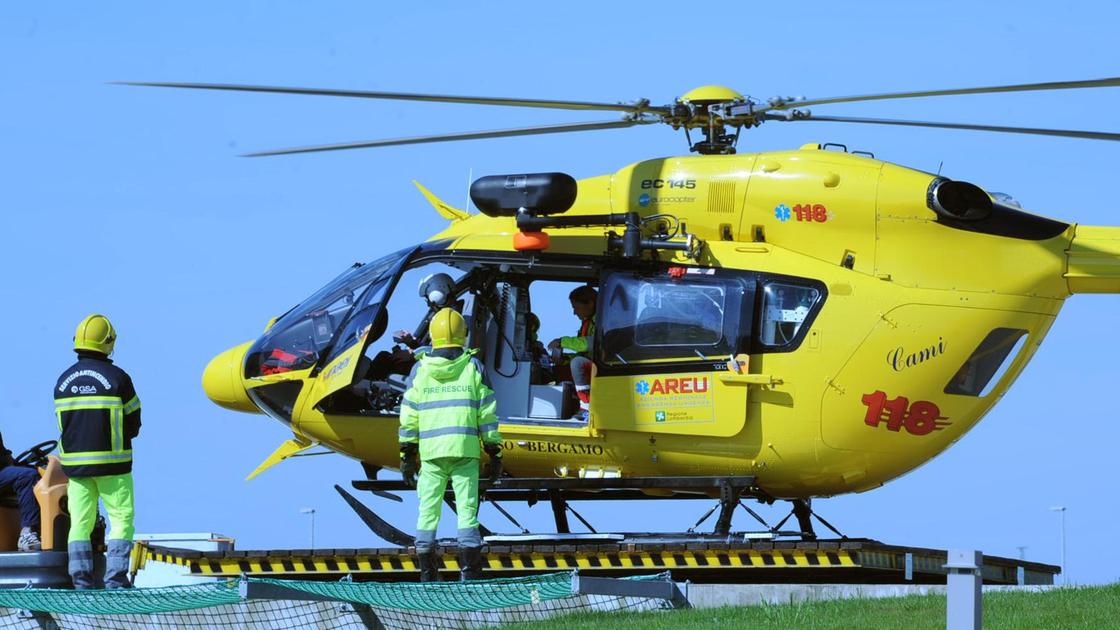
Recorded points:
(344,605)
(440,596)
(122,601)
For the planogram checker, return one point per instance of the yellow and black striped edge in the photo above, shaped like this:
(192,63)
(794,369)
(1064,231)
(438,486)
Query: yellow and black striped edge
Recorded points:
(224,565)
(995,570)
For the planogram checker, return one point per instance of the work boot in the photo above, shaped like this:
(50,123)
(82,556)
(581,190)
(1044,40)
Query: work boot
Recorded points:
(116,564)
(29,540)
(429,566)
(80,564)
(470,563)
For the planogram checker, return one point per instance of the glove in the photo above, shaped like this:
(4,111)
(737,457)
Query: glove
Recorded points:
(405,337)
(410,465)
(495,469)
(495,453)
(409,469)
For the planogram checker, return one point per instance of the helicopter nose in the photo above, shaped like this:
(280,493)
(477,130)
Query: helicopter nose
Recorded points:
(221,380)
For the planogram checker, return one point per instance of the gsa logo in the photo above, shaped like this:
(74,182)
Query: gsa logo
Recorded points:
(643,201)
(642,387)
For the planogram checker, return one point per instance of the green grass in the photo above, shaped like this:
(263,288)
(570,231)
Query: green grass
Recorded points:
(1088,607)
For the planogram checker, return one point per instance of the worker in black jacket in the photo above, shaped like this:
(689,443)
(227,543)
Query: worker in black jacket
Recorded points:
(21,480)
(99,415)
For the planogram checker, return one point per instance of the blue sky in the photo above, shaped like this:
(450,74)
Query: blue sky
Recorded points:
(132,202)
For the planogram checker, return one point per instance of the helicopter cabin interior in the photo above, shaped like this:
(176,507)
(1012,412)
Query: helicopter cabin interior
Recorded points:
(651,318)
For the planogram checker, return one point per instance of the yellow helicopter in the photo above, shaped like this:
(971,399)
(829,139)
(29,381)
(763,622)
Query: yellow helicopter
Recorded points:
(781,325)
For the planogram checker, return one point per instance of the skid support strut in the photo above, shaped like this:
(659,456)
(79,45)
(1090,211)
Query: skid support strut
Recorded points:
(728,499)
(559,512)
(804,518)
(803,510)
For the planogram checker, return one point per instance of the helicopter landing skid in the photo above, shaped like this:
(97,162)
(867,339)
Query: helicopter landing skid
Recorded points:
(382,528)
(558,491)
(801,508)
(375,523)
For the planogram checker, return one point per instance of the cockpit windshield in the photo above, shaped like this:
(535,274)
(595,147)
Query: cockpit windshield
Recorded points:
(316,326)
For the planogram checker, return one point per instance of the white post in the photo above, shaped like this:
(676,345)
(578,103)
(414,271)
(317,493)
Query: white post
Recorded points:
(1062,510)
(311,512)
(964,581)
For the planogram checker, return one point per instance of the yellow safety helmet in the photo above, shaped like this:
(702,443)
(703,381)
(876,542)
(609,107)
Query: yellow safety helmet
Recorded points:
(95,333)
(448,329)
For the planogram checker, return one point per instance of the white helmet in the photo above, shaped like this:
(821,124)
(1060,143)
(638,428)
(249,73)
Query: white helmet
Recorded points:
(437,289)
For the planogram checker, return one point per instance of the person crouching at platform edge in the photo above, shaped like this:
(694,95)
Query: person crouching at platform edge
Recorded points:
(21,480)
(99,416)
(447,407)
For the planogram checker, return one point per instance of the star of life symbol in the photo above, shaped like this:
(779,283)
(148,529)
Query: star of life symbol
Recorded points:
(782,212)
(642,387)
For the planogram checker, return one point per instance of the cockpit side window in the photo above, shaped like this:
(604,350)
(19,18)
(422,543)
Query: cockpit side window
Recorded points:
(390,320)
(986,365)
(298,339)
(298,344)
(360,320)
(785,307)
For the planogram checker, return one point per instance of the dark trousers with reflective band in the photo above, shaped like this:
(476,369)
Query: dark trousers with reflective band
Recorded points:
(116,491)
(21,481)
(430,487)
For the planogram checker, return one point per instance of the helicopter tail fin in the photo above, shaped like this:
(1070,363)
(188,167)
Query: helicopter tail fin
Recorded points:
(446,210)
(1093,260)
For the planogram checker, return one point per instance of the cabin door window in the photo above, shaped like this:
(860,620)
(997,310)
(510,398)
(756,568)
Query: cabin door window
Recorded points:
(663,342)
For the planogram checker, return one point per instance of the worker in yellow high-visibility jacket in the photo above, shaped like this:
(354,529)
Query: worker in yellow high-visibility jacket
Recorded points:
(447,410)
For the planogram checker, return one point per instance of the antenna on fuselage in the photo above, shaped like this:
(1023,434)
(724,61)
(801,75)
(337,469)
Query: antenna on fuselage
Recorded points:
(470,180)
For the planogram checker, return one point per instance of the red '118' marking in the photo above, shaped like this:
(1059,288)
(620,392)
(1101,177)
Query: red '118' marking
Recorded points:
(919,418)
(814,212)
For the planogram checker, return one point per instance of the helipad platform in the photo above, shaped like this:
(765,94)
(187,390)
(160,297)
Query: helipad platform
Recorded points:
(823,561)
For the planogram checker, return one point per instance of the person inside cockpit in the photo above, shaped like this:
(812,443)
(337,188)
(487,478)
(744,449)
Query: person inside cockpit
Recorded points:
(538,354)
(583,301)
(438,290)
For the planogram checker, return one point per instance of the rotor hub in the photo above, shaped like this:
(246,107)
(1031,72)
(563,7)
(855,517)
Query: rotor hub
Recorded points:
(710,95)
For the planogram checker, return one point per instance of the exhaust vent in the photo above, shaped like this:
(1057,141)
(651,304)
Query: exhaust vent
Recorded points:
(958,200)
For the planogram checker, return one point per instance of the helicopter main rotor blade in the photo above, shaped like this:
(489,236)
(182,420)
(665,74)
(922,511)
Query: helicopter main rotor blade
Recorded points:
(1025,87)
(637,107)
(1064,133)
(470,135)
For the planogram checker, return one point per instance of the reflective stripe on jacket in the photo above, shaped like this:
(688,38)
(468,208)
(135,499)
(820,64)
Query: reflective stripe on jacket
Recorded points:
(580,343)
(448,407)
(98,414)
